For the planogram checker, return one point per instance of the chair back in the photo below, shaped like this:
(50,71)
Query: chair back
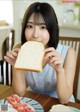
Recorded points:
(74,42)
(6,68)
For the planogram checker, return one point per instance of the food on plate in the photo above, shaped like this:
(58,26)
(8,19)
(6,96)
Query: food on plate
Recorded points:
(18,105)
(11,109)
(30,56)
(60,108)
(14,99)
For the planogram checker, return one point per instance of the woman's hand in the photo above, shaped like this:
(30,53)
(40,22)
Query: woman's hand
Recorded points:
(12,56)
(53,58)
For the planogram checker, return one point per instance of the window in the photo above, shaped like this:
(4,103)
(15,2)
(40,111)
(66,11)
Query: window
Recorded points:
(6,11)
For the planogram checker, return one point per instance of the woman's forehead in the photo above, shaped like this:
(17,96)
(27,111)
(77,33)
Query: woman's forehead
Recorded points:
(36,18)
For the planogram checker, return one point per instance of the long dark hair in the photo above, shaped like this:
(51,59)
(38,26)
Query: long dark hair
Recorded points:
(49,16)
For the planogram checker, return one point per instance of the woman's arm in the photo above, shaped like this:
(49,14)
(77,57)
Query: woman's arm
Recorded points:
(18,78)
(18,82)
(65,77)
(65,73)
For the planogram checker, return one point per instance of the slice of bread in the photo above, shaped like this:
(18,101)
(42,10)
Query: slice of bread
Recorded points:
(30,57)
(60,108)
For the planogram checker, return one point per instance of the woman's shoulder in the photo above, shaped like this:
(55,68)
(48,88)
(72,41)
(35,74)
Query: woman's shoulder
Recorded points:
(62,48)
(65,48)
(17,45)
(71,51)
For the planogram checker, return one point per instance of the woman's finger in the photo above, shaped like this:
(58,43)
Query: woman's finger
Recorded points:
(9,54)
(58,62)
(52,54)
(9,60)
(6,58)
(16,50)
(14,53)
(49,49)
(54,59)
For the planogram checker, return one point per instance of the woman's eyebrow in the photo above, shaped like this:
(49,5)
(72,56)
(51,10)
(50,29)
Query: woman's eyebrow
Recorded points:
(36,23)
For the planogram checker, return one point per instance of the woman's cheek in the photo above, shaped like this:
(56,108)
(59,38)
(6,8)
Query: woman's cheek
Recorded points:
(28,36)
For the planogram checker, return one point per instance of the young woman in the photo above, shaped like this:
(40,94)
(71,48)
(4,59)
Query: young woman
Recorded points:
(56,80)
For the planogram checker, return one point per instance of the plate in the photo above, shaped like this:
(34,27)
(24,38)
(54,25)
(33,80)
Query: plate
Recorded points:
(75,109)
(36,105)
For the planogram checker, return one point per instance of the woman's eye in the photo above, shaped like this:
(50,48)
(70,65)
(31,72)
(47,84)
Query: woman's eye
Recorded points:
(29,26)
(43,27)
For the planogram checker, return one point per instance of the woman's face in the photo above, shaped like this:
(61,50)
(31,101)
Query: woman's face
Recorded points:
(36,30)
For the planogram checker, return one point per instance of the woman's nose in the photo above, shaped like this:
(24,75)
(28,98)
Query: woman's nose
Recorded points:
(36,33)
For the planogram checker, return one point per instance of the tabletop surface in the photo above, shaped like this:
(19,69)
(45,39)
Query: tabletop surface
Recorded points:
(44,100)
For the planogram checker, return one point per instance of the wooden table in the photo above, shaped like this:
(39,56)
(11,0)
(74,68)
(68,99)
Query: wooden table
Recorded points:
(5,91)
(44,100)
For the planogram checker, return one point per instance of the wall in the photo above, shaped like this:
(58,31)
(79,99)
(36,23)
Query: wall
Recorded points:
(8,16)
